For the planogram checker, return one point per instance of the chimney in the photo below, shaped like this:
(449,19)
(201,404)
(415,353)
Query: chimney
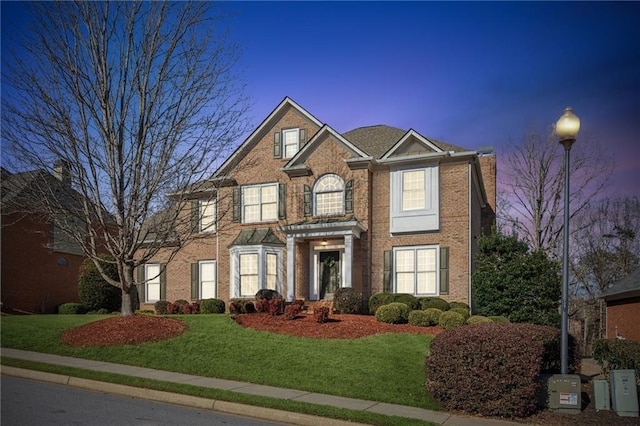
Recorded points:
(61,172)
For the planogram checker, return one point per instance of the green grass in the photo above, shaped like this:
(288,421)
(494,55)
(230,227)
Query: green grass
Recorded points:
(387,368)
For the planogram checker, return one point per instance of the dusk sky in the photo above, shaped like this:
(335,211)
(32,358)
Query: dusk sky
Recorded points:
(468,73)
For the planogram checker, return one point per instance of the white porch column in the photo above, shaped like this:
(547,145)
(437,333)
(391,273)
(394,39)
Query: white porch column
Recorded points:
(348,254)
(291,268)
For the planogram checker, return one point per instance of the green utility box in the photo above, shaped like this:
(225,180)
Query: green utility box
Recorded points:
(564,393)
(624,393)
(601,394)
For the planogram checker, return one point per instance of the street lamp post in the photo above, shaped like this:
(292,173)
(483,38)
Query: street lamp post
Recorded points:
(567,128)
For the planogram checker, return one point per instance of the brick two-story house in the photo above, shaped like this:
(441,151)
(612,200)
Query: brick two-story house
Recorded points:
(303,209)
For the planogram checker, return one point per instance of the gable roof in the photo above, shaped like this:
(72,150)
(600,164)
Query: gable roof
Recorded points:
(629,286)
(286,104)
(378,140)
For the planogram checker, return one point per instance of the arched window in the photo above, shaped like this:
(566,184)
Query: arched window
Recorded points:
(328,194)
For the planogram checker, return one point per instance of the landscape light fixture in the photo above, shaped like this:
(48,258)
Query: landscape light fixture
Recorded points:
(567,128)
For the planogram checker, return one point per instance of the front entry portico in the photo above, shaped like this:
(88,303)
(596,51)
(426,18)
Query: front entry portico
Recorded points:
(330,259)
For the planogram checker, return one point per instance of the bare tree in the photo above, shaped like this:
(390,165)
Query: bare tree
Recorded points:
(136,100)
(532,185)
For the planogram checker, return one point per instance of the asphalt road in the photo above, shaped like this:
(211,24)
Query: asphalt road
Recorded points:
(30,403)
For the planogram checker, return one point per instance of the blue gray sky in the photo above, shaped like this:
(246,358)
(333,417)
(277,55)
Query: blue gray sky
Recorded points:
(469,73)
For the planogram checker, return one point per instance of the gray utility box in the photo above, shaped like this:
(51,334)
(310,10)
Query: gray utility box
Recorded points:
(624,394)
(601,394)
(564,393)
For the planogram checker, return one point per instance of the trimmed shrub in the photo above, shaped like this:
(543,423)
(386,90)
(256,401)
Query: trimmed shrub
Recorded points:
(478,319)
(292,310)
(180,304)
(426,318)
(393,313)
(462,311)
(408,299)
(191,308)
(462,305)
(212,306)
(499,319)
(321,314)
(267,294)
(72,308)
(93,291)
(236,307)
(249,307)
(464,362)
(161,307)
(103,311)
(378,299)
(614,354)
(347,300)
(434,302)
(275,306)
(450,319)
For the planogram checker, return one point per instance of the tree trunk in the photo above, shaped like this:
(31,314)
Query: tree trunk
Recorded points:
(130,302)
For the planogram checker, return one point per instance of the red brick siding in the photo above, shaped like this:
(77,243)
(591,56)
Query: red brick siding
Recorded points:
(625,316)
(33,279)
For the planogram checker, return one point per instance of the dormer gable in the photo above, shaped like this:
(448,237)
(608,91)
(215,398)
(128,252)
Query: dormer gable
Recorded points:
(412,143)
(297,167)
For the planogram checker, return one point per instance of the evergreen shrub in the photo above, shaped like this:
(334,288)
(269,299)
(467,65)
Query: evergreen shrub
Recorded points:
(616,354)
(450,319)
(478,319)
(72,308)
(93,291)
(426,318)
(434,302)
(499,319)
(321,314)
(462,311)
(378,299)
(462,305)
(212,306)
(393,313)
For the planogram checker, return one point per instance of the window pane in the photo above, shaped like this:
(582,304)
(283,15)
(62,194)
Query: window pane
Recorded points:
(426,283)
(291,139)
(413,190)
(426,260)
(248,274)
(272,271)
(252,213)
(404,282)
(207,280)
(404,261)
(207,215)
(329,203)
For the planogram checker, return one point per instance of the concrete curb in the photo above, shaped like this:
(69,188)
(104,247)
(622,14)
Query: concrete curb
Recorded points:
(270,414)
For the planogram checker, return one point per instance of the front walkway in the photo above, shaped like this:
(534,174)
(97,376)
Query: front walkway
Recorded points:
(230,385)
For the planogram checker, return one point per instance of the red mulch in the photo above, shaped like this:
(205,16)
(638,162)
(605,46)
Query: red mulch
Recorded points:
(124,331)
(338,326)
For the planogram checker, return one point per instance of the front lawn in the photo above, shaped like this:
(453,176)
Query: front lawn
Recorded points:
(388,368)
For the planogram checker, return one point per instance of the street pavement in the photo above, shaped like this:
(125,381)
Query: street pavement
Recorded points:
(437,417)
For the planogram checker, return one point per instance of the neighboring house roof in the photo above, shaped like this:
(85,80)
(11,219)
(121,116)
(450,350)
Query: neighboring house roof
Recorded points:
(626,288)
(21,192)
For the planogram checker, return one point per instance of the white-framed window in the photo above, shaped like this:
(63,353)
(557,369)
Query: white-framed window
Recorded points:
(291,138)
(259,203)
(254,268)
(414,199)
(208,281)
(152,272)
(328,193)
(207,215)
(416,270)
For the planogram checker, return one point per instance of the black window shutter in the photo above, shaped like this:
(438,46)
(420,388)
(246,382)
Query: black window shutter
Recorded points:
(307,201)
(444,270)
(195,216)
(237,199)
(195,281)
(387,285)
(348,197)
(163,281)
(282,201)
(140,285)
(302,134)
(277,145)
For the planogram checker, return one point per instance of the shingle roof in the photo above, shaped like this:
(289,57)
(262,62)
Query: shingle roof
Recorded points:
(377,140)
(256,236)
(629,284)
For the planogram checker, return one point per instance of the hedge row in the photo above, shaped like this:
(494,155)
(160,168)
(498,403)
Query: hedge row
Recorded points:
(465,363)
(614,354)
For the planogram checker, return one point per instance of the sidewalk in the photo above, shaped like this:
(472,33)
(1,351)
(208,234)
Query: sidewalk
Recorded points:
(230,385)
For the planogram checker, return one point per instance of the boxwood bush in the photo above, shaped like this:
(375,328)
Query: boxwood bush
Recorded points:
(347,300)
(464,362)
(478,319)
(499,319)
(434,302)
(462,305)
(450,319)
(378,299)
(393,313)
(615,354)
(462,311)
(212,306)
(72,308)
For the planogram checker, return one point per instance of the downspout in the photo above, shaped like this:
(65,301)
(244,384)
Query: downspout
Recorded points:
(470,237)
